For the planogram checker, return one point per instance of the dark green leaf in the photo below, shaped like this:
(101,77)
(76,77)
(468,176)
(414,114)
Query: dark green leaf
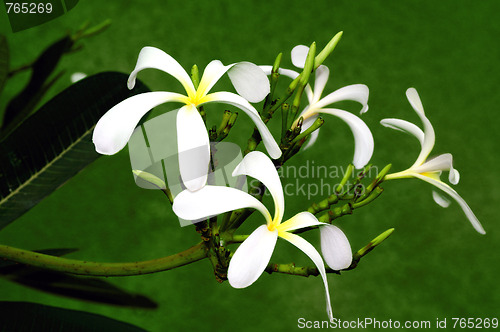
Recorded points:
(4,61)
(90,289)
(20,19)
(82,288)
(70,4)
(55,143)
(24,103)
(33,317)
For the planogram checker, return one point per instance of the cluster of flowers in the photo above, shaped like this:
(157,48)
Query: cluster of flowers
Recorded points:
(200,200)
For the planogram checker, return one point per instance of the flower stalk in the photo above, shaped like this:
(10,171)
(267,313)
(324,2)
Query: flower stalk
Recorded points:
(369,247)
(273,82)
(292,269)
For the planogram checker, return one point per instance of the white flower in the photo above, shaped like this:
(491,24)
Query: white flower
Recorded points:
(430,170)
(114,129)
(253,255)
(357,92)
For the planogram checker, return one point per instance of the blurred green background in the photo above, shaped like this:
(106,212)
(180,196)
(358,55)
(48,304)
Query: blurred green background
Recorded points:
(434,266)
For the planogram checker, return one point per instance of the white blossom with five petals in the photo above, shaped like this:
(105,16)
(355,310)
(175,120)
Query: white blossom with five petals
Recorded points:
(430,170)
(363,137)
(115,128)
(253,255)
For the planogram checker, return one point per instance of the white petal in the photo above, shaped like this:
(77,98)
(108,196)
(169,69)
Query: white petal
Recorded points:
(75,77)
(354,92)
(250,81)
(298,221)
(313,254)
(363,138)
(266,69)
(309,94)
(114,129)
(213,200)
(404,126)
(320,80)
(289,73)
(235,100)
(299,55)
(152,57)
(286,72)
(211,75)
(251,257)
(415,101)
(293,75)
(454,176)
(441,200)
(193,147)
(335,247)
(429,135)
(450,191)
(257,165)
(443,162)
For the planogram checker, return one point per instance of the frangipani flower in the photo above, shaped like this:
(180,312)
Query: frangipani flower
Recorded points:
(430,170)
(114,129)
(357,92)
(253,255)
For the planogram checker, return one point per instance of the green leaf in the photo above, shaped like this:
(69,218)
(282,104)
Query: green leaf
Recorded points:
(31,317)
(55,143)
(70,4)
(24,103)
(89,289)
(81,288)
(4,61)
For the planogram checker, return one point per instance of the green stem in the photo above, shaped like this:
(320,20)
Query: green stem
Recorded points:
(374,194)
(230,239)
(380,177)
(284,119)
(274,80)
(339,194)
(304,271)
(317,123)
(85,33)
(193,254)
(368,248)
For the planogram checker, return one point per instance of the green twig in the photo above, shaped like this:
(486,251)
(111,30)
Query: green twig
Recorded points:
(327,50)
(291,269)
(284,120)
(191,255)
(303,81)
(316,124)
(273,82)
(85,33)
(369,247)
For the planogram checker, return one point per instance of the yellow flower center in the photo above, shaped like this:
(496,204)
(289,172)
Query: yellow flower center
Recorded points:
(274,224)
